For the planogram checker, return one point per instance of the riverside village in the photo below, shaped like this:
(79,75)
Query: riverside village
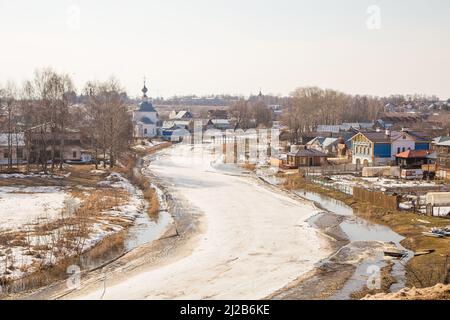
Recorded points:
(96,177)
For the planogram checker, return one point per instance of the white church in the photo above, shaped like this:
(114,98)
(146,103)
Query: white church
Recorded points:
(145,118)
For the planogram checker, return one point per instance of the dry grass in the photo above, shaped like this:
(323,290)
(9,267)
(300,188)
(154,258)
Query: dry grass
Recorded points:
(151,150)
(108,248)
(149,193)
(152,197)
(248,166)
(69,234)
(80,175)
(57,244)
(293,181)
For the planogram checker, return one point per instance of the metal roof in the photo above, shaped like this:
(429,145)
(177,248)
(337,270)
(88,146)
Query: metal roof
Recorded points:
(410,154)
(146,106)
(307,153)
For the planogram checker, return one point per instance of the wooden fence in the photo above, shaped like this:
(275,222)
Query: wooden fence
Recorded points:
(331,185)
(377,198)
(347,168)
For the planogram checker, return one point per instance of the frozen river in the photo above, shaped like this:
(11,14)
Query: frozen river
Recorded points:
(253,241)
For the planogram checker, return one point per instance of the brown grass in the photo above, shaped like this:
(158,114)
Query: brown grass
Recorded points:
(149,194)
(71,232)
(79,175)
(153,149)
(107,249)
(248,166)
(67,236)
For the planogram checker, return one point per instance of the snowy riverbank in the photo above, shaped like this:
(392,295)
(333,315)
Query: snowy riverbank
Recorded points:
(42,226)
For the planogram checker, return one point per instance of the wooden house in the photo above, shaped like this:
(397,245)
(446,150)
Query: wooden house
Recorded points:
(306,158)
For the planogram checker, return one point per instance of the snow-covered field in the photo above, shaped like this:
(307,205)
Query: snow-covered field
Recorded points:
(35,235)
(255,240)
(28,205)
(379,183)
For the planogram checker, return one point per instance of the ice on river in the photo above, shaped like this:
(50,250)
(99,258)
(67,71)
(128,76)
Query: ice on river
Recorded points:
(255,240)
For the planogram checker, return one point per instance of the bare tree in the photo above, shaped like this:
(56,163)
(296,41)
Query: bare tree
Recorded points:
(109,121)
(308,107)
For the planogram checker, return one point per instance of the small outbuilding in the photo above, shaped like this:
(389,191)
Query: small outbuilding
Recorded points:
(438,203)
(306,158)
(412,159)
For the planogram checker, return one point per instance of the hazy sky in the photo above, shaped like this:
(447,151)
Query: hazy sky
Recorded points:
(233,46)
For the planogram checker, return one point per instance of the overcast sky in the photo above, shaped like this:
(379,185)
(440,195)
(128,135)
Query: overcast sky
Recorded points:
(233,46)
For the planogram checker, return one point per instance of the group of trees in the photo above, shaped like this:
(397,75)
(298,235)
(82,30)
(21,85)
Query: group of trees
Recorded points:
(308,107)
(251,114)
(108,121)
(42,111)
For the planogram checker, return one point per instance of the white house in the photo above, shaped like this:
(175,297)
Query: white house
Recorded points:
(401,142)
(145,118)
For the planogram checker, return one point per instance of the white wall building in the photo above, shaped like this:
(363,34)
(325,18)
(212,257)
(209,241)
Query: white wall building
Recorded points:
(145,119)
(401,142)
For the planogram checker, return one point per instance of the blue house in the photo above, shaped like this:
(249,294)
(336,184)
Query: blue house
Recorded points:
(381,147)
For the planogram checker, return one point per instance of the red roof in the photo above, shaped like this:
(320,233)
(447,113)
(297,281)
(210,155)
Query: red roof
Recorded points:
(413,154)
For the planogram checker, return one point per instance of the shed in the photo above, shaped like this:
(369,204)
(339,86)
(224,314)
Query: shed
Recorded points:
(438,203)
(306,158)
(438,198)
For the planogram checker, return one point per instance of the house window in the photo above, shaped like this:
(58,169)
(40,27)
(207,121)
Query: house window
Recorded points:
(19,153)
(5,154)
(399,150)
(74,154)
(145,131)
(404,149)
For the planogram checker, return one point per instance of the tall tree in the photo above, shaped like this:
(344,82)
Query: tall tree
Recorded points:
(109,120)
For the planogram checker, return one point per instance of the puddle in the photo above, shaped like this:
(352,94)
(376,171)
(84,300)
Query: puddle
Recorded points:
(327,203)
(358,229)
(145,230)
(359,278)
